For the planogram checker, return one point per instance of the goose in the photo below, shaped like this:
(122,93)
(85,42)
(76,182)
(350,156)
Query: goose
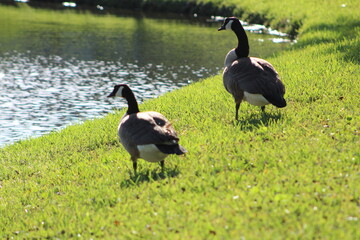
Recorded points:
(251,79)
(147,135)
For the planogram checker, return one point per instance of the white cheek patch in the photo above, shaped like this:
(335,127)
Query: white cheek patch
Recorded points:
(228,25)
(119,92)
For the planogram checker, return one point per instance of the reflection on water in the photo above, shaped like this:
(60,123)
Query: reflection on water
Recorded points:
(54,72)
(37,97)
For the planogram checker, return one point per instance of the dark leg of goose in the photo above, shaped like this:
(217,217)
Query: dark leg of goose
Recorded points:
(237,106)
(263,109)
(162,164)
(134,164)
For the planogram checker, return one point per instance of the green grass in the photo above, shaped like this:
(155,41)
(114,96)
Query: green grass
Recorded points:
(292,173)
(286,16)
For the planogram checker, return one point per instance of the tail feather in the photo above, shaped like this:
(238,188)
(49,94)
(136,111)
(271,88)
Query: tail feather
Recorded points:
(280,104)
(171,149)
(277,101)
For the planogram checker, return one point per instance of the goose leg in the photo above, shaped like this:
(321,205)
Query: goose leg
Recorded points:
(263,109)
(162,164)
(237,106)
(238,97)
(134,164)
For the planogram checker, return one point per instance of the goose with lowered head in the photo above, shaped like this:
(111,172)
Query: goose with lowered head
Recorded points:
(251,79)
(146,135)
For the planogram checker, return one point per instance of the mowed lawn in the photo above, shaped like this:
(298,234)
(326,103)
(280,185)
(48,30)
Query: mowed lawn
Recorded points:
(291,173)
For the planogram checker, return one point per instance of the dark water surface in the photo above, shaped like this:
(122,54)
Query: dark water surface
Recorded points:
(56,67)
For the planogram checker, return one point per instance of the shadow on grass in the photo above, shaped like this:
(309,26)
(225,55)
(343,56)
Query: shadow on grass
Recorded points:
(149,176)
(344,28)
(257,120)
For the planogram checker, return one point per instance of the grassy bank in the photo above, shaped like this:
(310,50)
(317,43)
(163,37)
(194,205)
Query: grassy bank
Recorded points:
(286,16)
(292,173)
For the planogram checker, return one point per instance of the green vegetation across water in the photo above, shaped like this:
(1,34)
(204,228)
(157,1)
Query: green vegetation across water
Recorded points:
(286,16)
(291,173)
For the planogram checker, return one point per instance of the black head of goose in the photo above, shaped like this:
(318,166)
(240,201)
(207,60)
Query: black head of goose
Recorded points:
(146,135)
(247,78)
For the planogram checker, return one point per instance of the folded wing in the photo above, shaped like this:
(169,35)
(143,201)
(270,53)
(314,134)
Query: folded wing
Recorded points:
(150,128)
(255,76)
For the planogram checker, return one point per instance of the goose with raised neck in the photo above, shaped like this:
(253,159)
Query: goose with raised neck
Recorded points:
(147,135)
(247,78)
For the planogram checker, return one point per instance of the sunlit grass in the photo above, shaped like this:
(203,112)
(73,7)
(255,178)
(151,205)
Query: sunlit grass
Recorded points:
(291,173)
(284,15)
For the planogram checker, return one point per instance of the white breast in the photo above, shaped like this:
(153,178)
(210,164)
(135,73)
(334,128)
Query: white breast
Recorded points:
(255,99)
(151,153)
(230,58)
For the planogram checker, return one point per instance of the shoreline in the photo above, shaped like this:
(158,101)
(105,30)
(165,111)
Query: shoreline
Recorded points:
(290,173)
(185,8)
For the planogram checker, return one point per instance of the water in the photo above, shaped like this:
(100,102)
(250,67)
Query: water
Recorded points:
(57,67)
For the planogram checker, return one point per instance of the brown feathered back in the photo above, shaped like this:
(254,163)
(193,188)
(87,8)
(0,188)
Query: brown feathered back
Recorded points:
(145,128)
(256,76)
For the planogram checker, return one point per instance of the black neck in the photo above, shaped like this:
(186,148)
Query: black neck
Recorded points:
(242,50)
(132,104)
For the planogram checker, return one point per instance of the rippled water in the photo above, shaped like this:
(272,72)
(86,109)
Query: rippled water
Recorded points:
(42,94)
(54,73)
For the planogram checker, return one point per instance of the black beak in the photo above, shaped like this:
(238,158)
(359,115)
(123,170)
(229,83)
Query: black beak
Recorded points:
(111,95)
(222,28)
